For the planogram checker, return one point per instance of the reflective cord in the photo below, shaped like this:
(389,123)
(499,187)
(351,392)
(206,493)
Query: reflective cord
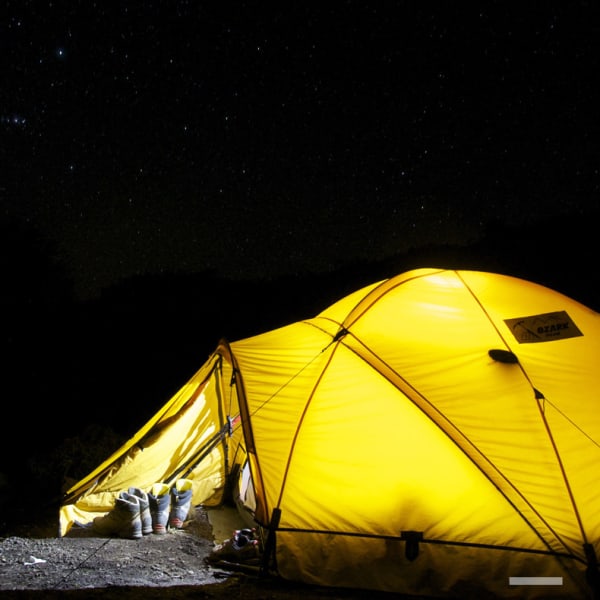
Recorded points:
(80,564)
(540,398)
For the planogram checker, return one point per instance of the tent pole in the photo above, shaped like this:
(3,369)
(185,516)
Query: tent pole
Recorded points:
(202,453)
(270,542)
(592,572)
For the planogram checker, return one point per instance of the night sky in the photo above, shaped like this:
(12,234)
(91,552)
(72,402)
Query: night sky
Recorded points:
(176,158)
(261,139)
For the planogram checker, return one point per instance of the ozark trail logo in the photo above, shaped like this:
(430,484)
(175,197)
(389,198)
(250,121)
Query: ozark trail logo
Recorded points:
(543,328)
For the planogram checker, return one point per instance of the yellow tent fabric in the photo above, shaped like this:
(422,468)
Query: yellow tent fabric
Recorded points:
(196,435)
(435,433)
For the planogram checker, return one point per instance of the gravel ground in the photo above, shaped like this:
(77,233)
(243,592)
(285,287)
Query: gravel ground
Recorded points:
(83,565)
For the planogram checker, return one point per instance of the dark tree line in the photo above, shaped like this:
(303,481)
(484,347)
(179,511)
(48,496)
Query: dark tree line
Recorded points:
(104,366)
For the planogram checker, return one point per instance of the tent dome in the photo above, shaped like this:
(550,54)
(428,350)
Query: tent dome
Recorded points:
(435,433)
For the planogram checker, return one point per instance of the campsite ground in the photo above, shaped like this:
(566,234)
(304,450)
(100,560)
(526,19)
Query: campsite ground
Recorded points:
(34,562)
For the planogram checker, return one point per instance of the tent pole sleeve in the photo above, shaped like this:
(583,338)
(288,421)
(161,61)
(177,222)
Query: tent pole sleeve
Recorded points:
(270,542)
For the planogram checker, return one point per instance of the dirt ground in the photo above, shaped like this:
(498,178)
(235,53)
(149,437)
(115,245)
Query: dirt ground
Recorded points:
(37,563)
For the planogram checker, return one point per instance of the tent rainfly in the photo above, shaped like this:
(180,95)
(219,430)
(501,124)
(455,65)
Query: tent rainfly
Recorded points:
(435,433)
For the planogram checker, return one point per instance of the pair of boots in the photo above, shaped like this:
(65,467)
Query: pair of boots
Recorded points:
(170,506)
(137,513)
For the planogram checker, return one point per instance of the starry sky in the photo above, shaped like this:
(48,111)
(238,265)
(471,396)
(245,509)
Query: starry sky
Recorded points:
(258,139)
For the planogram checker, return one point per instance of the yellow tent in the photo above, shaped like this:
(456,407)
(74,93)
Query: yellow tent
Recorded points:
(435,433)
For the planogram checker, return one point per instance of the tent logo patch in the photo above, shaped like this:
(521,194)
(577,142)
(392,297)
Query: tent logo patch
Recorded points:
(543,328)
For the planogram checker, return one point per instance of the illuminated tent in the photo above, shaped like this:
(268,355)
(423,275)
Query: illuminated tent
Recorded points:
(435,433)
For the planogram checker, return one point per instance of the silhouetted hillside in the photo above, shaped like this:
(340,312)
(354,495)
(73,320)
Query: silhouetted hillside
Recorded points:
(107,364)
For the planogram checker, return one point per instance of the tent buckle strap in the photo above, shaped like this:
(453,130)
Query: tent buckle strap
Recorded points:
(412,539)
